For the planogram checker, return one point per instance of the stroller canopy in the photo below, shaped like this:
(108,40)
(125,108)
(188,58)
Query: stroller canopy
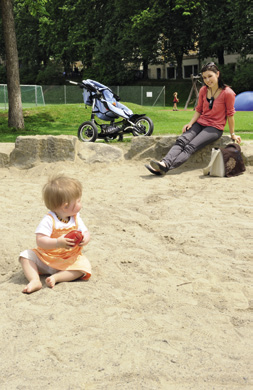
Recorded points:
(107,106)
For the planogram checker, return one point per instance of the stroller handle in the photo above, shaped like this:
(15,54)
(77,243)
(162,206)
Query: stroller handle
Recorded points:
(72,82)
(83,84)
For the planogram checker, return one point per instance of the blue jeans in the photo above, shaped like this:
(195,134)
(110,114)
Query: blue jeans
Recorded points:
(189,142)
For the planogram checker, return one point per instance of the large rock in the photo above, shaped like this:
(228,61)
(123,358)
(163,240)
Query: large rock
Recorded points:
(6,149)
(150,147)
(30,150)
(157,147)
(98,152)
(247,152)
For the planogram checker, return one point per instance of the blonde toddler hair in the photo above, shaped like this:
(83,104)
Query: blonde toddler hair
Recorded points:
(60,190)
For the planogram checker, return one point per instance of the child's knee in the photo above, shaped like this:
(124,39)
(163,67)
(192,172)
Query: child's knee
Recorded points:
(22,259)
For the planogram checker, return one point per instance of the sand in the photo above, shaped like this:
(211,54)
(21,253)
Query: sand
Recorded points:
(169,302)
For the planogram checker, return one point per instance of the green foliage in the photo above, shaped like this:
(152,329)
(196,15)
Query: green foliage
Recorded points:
(27,73)
(243,80)
(36,7)
(3,76)
(238,76)
(113,38)
(51,74)
(225,26)
(179,21)
(145,31)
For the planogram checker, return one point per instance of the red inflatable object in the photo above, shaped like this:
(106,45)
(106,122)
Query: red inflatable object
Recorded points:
(75,235)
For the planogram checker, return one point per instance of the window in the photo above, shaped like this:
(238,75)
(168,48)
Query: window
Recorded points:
(189,70)
(158,73)
(171,72)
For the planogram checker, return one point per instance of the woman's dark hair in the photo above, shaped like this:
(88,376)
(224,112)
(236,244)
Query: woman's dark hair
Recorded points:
(213,68)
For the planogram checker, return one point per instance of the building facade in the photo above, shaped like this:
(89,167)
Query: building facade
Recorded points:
(191,66)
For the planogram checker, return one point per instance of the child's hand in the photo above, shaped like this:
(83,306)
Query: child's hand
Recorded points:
(86,239)
(63,242)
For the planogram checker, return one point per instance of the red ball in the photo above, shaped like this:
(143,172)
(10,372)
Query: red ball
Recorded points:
(75,235)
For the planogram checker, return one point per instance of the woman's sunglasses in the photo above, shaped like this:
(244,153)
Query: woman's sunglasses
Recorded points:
(208,66)
(211,103)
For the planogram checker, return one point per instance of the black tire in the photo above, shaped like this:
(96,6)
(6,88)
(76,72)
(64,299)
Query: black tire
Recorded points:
(87,132)
(146,126)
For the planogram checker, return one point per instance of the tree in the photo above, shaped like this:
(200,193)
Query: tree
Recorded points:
(227,29)
(117,39)
(180,28)
(15,113)
(113,38)
(28,37)
(146,34)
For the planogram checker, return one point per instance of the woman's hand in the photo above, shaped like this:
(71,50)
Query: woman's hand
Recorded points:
(192,121)
(186,127)
(236,138)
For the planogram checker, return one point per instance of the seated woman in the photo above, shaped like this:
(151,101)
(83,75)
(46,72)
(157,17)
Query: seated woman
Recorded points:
(215,107)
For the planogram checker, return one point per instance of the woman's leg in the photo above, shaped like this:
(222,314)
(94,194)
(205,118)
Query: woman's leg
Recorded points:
(188,143)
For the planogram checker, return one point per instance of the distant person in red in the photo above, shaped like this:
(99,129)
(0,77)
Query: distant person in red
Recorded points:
(215,107)
(175,101)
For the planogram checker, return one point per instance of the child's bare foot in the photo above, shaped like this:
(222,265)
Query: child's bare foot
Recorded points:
(50,281)
(33,285)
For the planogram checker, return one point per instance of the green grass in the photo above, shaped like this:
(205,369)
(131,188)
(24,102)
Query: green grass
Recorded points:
(65,119)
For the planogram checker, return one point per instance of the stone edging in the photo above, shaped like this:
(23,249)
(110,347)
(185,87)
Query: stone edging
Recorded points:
(29,151)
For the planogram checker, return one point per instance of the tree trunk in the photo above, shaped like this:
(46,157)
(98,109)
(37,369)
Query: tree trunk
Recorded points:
(179,59)
(220,56)
(145,69)
(15,115)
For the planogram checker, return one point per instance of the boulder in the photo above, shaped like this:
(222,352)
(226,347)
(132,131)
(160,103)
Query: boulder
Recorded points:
(30,150)
(247,152)
(157,147)
(99,152)
(5,151)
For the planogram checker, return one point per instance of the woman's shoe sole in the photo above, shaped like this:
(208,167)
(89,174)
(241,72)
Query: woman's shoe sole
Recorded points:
(158,167)
(157,173)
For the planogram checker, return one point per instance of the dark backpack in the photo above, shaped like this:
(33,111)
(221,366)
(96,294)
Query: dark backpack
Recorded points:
(233,160)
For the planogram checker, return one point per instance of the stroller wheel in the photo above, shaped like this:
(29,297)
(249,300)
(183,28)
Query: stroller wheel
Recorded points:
(88,132)
(144,126)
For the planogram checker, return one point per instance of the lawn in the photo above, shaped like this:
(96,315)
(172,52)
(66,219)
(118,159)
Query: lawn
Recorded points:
(65,119)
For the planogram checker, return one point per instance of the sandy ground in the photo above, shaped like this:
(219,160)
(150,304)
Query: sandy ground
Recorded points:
(168,305)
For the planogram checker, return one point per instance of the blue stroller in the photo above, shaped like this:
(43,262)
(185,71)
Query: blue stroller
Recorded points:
(105,105)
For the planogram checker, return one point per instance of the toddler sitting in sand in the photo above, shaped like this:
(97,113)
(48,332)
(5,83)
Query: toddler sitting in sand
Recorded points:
(57,255)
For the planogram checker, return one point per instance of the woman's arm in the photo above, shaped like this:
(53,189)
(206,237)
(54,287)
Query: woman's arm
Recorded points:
(193,120)
(231,125)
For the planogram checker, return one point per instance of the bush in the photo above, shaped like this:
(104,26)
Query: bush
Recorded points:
(27,74)
(242,80)
(227,73)
(3,76)
(50,75)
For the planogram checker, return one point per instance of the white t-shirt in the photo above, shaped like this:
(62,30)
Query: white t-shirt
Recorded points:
(46,224)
